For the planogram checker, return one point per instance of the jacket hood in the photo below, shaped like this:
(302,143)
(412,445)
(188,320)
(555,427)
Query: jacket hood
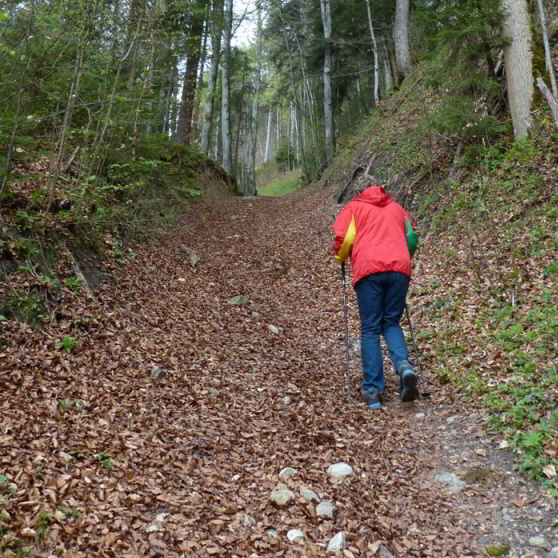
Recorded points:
(375,195)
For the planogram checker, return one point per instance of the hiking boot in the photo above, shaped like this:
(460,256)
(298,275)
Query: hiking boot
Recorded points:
(408,385)
(373,399)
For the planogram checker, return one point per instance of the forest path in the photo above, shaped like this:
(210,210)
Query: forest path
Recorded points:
(164,435)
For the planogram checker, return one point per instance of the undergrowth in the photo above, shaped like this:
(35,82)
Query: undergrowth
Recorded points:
(487,286)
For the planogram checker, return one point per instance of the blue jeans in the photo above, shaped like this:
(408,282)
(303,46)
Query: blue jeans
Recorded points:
(381,302)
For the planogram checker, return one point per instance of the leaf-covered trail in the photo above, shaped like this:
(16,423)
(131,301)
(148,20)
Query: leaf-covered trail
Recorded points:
(183,465)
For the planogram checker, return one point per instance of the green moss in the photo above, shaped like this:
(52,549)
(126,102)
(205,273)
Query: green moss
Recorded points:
(498,549)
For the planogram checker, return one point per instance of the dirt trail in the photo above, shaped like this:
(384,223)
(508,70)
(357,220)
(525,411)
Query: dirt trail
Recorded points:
(184,464)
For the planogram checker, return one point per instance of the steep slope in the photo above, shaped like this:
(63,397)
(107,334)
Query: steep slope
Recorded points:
(162,431)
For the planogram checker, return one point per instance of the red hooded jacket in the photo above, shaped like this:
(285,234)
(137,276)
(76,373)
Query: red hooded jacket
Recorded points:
(371,229)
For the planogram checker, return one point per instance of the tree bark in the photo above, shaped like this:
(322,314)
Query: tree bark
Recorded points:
(519,65)
(225,89)
(547,53)
(550,99)
(251,174)
(325,7)
(376,64)
(213,73)
(401,38)
(184,131)
(266,156)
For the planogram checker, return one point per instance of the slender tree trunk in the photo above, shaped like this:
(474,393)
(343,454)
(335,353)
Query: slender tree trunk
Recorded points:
(401,37)
(251,174)
(199,82)
(225,89)
(184,133)
(550,99)
(19,104)
(376,64)
(328,64)
(547,53)
(72,95)
(519,65)
(266,156)
(213,73)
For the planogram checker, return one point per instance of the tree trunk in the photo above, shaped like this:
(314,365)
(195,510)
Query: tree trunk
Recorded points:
(376,63)
(184,133)
(401,38)
(199,83)
(328,63)
(251,174)
(225,89)
(266,156)
(550,99)
(519,65)
(547,53)
(213,73)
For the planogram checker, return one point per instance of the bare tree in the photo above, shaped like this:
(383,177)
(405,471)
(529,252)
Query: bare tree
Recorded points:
(547,53)
(401,37)
(213,73)
(325,7)
(225,89)
(376,64)
(518,62)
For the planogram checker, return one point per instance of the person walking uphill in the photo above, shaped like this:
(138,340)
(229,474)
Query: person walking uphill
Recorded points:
(376,233)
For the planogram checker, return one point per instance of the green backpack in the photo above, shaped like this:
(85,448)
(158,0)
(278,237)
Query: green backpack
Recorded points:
(412,238)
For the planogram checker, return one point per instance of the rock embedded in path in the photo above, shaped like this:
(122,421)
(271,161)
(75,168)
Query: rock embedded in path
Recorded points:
(538,541)
(194,258)
(295,535)
(239,300)
(384,552)
(553,553)
(287,400)
(340,470)
(326,509)
(281,496)
(158,373)
(450,480)
(274,329)
(309,495)
(287,473)
(339,542)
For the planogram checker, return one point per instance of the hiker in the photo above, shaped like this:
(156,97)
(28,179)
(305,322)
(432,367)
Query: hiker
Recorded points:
(377,234)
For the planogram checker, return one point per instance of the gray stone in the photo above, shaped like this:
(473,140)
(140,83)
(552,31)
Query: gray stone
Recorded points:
(309,495)
(272,533)
(255,315)
(420,415)
(538,541)
(287,473)
(325,509)
(340,470)
(287,400)
(194,258)
(449,420)
(339,542)
(384,552)
(281,497)
(158,373)
(553,553)
(295,535)
(274,329)
(238,300)
(451,481)
(249,521)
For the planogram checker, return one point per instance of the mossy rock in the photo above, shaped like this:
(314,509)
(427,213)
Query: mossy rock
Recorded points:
(498,549)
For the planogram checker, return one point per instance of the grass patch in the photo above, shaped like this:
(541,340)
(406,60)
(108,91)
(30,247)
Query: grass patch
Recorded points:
(287,184)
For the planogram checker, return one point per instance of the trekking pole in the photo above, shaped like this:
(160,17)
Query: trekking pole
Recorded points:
(346,317)
(413,338)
